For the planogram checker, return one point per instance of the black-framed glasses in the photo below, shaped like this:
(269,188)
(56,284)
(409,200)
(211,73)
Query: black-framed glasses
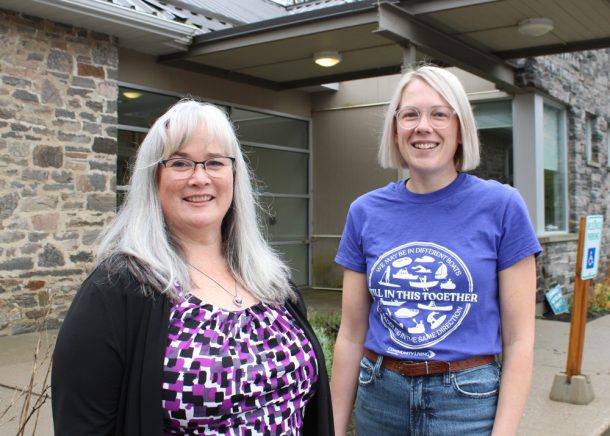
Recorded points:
(439,117)
(214,167)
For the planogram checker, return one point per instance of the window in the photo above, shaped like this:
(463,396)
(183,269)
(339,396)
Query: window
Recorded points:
(495,126)
(608,145)
(594,141)
(137,110)
(555,187)
(277,148)
(588,139)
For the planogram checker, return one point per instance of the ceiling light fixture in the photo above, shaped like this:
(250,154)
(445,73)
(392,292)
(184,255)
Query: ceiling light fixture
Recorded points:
(535,26)
(327,58)
(132,94)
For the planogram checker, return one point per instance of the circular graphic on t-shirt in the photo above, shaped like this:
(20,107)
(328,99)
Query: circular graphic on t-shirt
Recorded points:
(423,292)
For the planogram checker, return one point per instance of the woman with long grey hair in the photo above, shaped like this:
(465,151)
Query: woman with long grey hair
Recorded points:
(189,323)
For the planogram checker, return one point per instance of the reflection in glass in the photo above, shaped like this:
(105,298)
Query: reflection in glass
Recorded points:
(270,129)
(295,255)
(144,109)
(286,219)
(279,171)
(494,123)
(554,170)
(128,146)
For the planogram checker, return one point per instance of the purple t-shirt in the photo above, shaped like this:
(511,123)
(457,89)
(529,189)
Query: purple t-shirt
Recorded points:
(432,263)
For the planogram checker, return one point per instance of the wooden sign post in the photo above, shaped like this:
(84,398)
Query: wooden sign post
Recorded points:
(578,320)
(571,386)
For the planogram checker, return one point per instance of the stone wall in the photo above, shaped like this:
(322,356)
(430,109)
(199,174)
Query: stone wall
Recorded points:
(58,117)
(580,80)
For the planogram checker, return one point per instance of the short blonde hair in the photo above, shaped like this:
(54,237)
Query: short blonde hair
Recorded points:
(467,156)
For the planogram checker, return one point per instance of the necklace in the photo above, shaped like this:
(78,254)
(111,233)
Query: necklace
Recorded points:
(237,300)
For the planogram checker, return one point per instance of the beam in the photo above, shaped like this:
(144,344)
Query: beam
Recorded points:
(590,44)
(399,26)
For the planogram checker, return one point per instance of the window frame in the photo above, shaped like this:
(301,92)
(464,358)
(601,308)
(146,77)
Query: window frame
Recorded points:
(528,152)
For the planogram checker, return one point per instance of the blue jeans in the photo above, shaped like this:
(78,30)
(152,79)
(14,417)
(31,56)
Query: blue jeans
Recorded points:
(453,403)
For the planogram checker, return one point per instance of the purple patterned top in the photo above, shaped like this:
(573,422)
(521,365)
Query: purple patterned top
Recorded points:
(236,373)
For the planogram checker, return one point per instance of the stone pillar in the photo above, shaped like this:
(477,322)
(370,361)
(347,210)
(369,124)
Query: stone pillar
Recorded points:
(58,145)
(580,81)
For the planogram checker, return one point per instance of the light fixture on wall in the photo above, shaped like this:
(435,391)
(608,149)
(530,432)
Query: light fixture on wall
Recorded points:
(535,26)
(327,58)
(132,95)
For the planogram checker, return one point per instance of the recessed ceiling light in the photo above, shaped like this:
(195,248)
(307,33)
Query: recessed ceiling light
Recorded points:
(327,58)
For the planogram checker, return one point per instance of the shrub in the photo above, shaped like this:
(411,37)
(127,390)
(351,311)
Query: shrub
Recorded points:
(600,300)
(326,326)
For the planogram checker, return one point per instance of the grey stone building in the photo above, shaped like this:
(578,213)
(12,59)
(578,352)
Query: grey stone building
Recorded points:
(58,128)
(68,128)
(579,83)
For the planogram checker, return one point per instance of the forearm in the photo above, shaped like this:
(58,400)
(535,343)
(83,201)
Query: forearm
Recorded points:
(344,382)
(514,387)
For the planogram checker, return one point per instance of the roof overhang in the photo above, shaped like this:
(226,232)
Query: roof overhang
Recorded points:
(378,38)
(134,29)
(374,37)
(278,53)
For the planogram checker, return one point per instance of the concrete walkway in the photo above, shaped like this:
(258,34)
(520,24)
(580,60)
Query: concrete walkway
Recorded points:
(542,417)
(546,417)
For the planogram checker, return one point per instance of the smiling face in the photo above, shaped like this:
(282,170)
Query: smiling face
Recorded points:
(428,151)
(194,207)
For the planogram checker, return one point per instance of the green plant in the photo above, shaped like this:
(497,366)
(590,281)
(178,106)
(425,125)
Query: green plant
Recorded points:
(326,327)
(600,297)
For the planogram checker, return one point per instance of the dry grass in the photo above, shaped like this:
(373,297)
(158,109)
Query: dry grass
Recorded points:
(24,408)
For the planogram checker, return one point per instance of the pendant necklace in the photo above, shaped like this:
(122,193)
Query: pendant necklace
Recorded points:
(237,300)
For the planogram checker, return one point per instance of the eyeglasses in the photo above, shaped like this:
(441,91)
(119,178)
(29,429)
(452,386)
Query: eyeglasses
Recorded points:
(184,168)
(439,117)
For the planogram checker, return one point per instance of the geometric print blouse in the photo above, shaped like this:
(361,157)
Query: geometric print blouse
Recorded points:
(245,372)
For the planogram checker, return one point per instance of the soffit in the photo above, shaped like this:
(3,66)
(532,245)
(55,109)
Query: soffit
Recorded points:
(373,38)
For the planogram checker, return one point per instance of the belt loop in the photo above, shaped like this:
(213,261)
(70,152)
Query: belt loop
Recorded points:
(378,363)
(449,366)
(427,370)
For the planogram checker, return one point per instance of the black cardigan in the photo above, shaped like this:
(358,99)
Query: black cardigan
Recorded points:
(108,362)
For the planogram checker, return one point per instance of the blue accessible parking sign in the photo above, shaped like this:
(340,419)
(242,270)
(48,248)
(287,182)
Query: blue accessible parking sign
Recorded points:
(593,237)
(591,258)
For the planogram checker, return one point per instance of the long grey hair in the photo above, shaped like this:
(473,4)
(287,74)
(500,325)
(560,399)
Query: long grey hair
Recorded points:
(139,240)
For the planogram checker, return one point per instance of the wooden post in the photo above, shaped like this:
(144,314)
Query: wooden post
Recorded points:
(579,311)
(572,386)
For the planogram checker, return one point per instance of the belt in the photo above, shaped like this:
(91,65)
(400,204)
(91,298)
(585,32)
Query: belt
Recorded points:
(427,367)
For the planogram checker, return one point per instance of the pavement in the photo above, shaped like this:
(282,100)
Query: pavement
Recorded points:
(18,361)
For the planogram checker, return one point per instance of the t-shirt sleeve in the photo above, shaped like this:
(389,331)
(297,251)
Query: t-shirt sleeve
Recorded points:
(350,254)
(518,239)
